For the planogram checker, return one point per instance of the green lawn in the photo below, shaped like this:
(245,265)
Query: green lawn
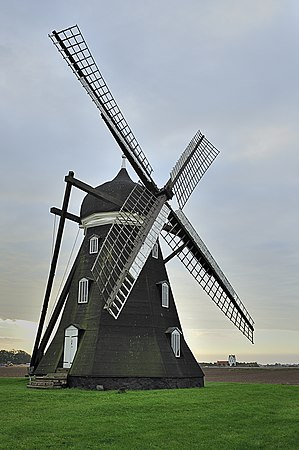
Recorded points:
(219,416)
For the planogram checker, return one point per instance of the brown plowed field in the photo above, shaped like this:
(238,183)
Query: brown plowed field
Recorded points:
(271,375)
(14,371)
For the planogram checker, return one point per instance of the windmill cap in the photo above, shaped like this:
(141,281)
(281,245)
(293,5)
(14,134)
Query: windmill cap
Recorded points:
(119,188)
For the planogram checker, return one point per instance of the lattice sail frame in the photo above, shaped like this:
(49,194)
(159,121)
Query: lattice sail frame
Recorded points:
(120,261)
(193,253)
(72,46)
(127,246)
(191,166)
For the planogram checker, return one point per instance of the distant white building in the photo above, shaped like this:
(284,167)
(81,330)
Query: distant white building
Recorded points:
(232,360)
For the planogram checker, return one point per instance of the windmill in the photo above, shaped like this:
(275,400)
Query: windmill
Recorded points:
(116,320)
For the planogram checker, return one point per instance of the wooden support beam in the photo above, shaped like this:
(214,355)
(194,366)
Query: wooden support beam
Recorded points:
(58,308)
(34,358)
(90,190)
(69,216)
(173,254)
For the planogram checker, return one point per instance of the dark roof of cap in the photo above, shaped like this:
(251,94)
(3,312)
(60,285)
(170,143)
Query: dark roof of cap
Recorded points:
(120,187)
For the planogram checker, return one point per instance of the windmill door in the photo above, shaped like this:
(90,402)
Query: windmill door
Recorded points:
(70,346)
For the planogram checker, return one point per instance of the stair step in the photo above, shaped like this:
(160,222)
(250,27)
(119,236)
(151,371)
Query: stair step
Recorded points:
(49,381)
(62,370)
(56,375)
(39,386)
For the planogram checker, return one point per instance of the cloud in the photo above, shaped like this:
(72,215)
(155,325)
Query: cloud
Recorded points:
(17,334)
(234,19)
(266,141)
(272,345)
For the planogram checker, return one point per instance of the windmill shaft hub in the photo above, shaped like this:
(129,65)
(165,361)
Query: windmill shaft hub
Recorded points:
(167,191)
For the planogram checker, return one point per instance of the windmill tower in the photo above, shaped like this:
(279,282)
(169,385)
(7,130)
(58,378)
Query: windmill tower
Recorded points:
(119,325)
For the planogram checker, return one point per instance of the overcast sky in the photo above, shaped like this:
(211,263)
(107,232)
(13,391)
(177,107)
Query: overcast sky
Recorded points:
(227,67)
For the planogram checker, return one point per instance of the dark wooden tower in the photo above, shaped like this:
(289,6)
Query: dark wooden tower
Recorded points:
(117,323)
(145,347)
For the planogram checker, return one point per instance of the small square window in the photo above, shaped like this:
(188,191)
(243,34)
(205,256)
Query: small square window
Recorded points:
(176,343)
(83,290)
(165,295)
(94,245)
(155,251)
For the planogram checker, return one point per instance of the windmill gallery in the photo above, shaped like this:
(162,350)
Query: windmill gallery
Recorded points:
(116,321)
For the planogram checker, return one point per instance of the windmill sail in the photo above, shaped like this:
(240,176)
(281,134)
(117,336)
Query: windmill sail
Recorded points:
(189,169)
(72,46)
(193,253)
(127,247)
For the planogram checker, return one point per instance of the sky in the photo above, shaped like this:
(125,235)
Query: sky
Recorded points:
(227,67)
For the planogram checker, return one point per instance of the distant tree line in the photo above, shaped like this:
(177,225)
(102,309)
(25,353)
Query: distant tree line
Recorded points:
(14,357)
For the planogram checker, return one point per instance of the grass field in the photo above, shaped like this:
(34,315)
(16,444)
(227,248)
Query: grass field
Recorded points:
(219,416)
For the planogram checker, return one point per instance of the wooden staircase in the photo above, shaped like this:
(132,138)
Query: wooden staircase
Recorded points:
(56,380)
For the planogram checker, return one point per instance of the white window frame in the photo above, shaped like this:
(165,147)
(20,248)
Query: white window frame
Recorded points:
(176,343)
(155,250)
(83,290)
(165,294)
(93,245)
